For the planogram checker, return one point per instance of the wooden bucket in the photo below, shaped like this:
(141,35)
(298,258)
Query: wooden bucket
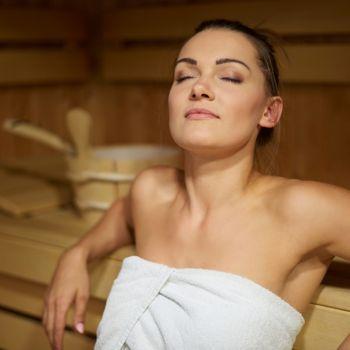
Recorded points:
(99,175)
(109,171)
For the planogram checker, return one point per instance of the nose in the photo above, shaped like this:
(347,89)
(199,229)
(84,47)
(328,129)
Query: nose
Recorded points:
(199,90)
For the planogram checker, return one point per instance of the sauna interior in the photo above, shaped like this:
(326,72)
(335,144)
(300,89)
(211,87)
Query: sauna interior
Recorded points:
(94,76)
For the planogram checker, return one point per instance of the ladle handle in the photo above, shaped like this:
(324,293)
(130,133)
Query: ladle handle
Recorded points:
(26,129)
(79,125)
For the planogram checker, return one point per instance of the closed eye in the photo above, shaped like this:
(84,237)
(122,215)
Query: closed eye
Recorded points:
(179,80)
(231,80)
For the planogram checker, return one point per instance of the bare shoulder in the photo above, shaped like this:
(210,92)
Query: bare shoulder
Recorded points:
(307,199)
(319,210)
(302,197)
(159,182)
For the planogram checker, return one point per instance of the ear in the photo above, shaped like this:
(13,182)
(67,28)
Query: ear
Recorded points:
(272,112)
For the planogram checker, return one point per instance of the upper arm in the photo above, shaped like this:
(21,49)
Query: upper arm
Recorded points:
(326,209)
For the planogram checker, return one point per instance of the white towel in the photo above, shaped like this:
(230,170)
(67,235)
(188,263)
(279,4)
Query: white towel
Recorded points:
(153,306)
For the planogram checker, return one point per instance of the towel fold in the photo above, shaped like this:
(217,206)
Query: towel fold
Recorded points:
(153,306)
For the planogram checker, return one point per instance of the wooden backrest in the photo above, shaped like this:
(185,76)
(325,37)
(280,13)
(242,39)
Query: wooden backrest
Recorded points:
(316,37)
(39,25)
(42,46)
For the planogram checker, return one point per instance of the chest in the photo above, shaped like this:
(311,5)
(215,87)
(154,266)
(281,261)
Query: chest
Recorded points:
(249,243)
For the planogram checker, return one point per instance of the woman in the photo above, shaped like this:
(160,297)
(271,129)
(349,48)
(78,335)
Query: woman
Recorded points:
(220,225)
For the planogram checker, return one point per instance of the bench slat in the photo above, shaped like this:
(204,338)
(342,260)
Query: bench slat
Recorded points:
(171,22)
(39,25)
(326,63)
(20,66)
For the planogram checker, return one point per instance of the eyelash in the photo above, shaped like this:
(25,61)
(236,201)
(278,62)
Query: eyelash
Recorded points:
(231,80)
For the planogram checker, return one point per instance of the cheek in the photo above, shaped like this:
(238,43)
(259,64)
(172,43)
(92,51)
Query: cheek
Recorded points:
(244,105)
(242,113)
(172,105)
(176,103)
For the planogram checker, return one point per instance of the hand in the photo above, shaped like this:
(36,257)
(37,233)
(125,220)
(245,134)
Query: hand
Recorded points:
(70,284)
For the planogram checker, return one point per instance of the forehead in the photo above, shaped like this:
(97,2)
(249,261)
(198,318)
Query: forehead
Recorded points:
(211,44)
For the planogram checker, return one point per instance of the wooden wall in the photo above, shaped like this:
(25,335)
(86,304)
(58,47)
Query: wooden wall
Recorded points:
(132,108)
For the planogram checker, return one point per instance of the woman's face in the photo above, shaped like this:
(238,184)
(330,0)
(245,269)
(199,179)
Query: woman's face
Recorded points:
(232,90)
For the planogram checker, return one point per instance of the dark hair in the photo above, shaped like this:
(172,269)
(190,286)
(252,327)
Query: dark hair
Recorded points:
(268,138)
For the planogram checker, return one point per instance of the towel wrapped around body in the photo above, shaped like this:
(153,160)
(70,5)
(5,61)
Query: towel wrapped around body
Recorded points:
(153,306)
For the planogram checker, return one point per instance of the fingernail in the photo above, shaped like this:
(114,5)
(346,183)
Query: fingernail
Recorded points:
(80,327)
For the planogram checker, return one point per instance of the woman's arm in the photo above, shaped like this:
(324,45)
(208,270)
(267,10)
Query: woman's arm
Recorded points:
(330,207)
(324,210)
(113,231)
(70,283)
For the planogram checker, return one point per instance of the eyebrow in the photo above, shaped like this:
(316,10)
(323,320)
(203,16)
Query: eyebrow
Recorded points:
(218,61)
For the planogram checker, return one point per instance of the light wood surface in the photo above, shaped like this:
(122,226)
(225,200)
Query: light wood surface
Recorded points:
(79,124)
(20,333)
(26,129)
(325,329)
(52,167)
(25,195)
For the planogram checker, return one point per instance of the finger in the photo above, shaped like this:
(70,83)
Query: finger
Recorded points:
(61,308)
(44,319)
(50,320)
(80,309)
(44,310)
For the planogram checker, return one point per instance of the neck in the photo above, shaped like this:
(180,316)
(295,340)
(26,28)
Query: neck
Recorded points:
(211,183)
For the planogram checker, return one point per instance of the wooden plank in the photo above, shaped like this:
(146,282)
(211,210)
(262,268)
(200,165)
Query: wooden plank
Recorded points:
(54,230)
(179,21)
(29,260)
(325,329)
(53,166)
(36,262)
(37,25)
(333,296)
(25,296)
(317,64)
(22,194)
(43,66)
(21,333)
(138,64)
(324,63)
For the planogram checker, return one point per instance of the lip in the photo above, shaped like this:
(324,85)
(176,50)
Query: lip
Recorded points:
(200,113)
